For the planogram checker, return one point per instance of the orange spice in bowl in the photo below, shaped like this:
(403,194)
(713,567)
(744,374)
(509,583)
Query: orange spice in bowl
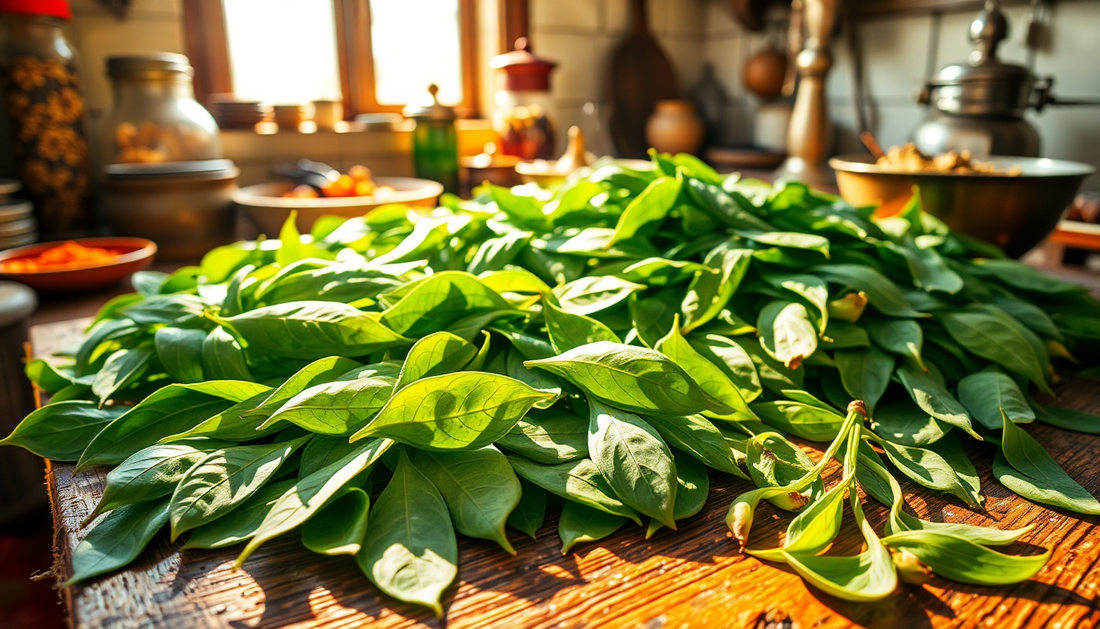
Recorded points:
(69,254)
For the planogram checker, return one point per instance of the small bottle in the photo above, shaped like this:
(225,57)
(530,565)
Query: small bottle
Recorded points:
(46,110)
(435,142)
(525,116)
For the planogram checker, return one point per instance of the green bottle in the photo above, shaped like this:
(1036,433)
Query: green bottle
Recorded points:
(435,142)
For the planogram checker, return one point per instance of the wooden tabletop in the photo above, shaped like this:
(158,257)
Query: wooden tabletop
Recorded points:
(693,577)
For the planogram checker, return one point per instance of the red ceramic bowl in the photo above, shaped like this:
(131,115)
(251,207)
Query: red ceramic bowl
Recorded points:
(137,254)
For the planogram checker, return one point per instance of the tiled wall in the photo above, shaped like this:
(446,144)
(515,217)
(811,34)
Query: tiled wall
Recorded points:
(896,58)
(581,35)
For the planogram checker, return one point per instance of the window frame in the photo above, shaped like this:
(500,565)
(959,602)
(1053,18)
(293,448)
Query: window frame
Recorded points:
(208,48)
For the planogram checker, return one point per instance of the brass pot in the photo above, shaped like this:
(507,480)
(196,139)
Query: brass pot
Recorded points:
(1014,212)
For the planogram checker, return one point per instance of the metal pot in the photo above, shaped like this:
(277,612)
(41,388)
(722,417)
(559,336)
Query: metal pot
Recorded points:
(979,105)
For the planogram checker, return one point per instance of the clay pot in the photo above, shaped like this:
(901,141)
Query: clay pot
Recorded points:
(674,127)
(765,72)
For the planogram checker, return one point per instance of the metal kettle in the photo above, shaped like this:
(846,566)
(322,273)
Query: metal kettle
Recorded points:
(979,105)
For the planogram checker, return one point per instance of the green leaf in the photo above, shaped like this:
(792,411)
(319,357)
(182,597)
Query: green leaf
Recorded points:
(869,576)
(695,435)
(986,393)
(775,462)
(964,561)
(579,524)
(926,467)
(579,481)
(233,424)
(635,461)
(122,369)
(62,430)
(409,561)
(496,253)
(180,351)
(631,378)
(653,204)
(568,330)
(733,210)
(592,294)
(931,395)
(223,358)
(883,294)
(1068,419)
(312,492)
(152,473)
(479,487)
(551,436)
(897,336)
(735,361)
(117,539)
(166,309)
(809,421)
(319,371)
(223,480)
(712,287)
(809,287)
(439,301)
(100,338)
(535,378)
(865,374)
(654,314)
(1024,466)
(792,240)
(692,488)
(464,410)
(48,376)
(530,513)
(309,330)
(907,424)
(340,526)
(335,408)
(435,354)
(710,378)
(787,332)
(169,411)
(1024,277)
(241,523)
(996,337)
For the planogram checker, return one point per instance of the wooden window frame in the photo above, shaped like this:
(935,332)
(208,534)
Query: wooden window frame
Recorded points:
(208,49)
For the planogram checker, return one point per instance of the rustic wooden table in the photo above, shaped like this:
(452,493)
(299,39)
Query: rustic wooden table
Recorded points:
(693,577)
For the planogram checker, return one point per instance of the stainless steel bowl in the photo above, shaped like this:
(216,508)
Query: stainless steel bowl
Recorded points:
(1015,212)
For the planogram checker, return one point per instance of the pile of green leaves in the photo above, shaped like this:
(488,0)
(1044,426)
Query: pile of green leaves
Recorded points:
(384,382)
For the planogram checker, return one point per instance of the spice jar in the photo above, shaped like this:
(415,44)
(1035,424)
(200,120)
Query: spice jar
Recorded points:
(154,116)
(525,113)
(20,471)
(45,106)
(435,142)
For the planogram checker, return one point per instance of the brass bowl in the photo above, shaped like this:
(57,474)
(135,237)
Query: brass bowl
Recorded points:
(1014,212)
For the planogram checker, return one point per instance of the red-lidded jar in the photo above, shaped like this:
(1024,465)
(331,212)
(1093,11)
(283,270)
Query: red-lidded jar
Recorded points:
(44,101)
(525,113)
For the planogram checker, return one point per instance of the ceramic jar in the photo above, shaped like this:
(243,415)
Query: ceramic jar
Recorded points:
(674,127)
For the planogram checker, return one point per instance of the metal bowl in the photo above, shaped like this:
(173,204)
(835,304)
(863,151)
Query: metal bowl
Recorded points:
(265,205)
(1014,212)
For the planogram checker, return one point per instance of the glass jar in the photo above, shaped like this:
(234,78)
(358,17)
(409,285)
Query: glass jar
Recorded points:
(154,116)
(525,113)
(435,142)
(44,101)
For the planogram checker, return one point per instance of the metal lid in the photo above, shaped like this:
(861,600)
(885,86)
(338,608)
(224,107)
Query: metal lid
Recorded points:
(983,84)
(169,169)
(523,71)
(137,66)
(17,302)
(9,186)
(15,211)
(434,111)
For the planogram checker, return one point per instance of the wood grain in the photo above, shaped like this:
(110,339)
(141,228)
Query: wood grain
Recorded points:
(693,577)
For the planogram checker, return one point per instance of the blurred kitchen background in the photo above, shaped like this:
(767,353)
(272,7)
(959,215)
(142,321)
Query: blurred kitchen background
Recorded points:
(902,43)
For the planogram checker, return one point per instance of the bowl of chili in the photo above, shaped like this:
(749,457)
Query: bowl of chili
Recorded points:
(77,265)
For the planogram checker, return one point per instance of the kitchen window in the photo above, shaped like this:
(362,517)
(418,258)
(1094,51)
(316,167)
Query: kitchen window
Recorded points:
(378,55)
